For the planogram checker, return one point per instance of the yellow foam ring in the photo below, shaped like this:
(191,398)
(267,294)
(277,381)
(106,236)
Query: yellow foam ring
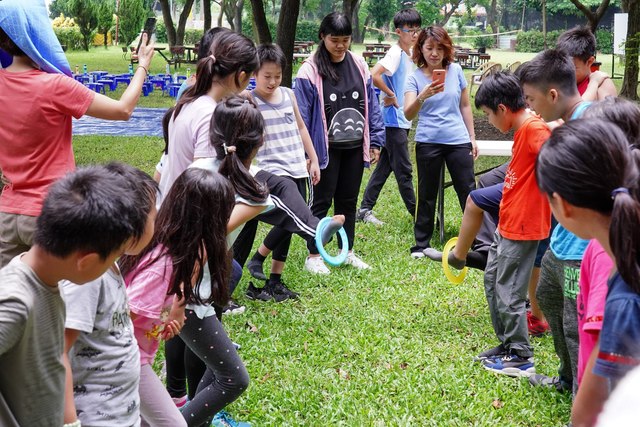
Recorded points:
(456,279)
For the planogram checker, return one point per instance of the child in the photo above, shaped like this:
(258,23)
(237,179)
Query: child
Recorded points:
(591,179)
(524,221)
(88,219)
(389,75)
(286,142)
(549,85)
(36,130)
(580,44)
(188,257)
(99,342)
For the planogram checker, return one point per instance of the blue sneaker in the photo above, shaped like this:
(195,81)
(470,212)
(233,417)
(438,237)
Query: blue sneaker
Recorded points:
(511,365)
(223,419)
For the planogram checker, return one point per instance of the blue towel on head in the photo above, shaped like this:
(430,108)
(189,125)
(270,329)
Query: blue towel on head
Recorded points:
(27,23)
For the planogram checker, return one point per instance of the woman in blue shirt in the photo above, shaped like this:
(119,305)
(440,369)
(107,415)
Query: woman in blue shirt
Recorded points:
(445,129)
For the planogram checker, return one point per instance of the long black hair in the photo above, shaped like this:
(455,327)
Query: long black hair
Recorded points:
(236,133)
(334,24)
(589,163)
(192,226)
(230,53)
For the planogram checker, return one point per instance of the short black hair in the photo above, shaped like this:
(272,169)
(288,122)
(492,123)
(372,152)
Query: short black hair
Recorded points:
(578,42)
(269,52)
(408,17)
(90,210)
(143,188)
(552,68)
(500,88)
(9,46)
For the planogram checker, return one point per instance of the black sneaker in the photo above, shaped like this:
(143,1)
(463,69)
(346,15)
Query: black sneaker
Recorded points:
(233,308)
(260,294)
(492,352)
(279,291)
(255,269)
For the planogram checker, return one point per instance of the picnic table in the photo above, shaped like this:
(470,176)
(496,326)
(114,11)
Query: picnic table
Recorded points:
(190,54)
(471,59)
(377,47)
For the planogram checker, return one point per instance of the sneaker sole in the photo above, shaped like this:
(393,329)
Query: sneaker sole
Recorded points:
(239,310)
(513,372)
(324,273)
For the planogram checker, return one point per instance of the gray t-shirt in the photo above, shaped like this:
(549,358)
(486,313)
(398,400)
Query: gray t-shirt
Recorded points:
(31,345)
(105,359)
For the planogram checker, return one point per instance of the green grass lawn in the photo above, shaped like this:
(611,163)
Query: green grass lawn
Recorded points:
(388,347)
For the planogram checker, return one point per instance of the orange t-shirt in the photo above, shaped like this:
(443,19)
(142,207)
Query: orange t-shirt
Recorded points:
(35,134)
(524,211)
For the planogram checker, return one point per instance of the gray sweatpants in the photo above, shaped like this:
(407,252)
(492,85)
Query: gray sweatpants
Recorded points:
(557,291)
(506,279)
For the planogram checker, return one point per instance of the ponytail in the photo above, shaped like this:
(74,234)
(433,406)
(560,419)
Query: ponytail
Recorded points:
(624,232)
(236,132)
(230,53)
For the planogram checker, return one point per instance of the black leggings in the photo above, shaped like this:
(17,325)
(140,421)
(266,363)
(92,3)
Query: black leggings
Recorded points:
(225,377)
(339,184)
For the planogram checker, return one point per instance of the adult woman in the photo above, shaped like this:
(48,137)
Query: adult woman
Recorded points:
(339,107)
(445,128)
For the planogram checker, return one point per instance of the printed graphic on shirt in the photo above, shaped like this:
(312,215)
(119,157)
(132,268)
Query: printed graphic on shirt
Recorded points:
(510,179)
(571,282)
(347,125)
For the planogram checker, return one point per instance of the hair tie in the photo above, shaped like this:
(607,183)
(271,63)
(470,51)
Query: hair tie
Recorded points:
(228,149)
(619,190)
(212,57)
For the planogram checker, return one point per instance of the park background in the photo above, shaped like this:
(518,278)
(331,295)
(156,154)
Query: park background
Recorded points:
(385,347)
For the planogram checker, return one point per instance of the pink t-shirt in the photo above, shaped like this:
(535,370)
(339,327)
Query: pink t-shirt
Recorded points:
(35,134)
(147,287)
(594,272)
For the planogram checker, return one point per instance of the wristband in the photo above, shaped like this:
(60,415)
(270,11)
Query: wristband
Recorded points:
(420,101)
(76,423)
(147,72)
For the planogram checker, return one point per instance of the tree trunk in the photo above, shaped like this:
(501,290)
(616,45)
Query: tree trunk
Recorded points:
(286,35)
(182,22)
(168,22)
(260,22)
(350,9)
(221,14)
(448,13)
(630,82)
(206,10)
(593,17)
(237,15)
(492,18)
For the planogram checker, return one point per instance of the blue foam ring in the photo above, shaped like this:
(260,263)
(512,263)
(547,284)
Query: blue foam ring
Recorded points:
(342,256)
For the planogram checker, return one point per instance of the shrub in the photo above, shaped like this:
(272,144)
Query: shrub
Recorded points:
(305,30)
(604,41)
(486,42)
(192,36)
(70,37)
(161,33)
(533,41)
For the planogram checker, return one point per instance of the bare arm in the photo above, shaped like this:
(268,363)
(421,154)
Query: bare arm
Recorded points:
(467,116)
(70,337)
(104,107)
(600,86)
(413,102)
(592,394)
(242,213)
(314,165)
(376,75)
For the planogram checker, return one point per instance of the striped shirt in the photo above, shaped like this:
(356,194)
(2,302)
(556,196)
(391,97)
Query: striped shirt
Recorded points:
(282,153)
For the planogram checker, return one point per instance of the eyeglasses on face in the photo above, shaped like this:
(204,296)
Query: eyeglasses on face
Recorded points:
(413,31)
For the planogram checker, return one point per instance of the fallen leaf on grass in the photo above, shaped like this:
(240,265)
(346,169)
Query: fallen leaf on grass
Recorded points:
(343,374)
(252,328)
(265,378)
(388,365)
(306,346)
(497,403)
(274,313)
(404,365)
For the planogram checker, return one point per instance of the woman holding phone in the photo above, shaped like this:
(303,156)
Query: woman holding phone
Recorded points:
(437,94)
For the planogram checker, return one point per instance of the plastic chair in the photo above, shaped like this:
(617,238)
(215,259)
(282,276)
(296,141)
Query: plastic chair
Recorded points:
(513,66)
(488,69)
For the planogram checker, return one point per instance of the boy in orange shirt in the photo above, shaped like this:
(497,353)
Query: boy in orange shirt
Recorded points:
(524,220)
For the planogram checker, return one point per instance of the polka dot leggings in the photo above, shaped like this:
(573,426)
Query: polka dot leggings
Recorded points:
(225,379)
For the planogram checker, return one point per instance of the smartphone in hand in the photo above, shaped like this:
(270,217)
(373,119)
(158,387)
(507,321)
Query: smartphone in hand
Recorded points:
(149,29)
(438,76)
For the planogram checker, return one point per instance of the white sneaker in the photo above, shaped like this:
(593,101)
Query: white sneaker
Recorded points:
(356,262)
(316,265)
(417,254)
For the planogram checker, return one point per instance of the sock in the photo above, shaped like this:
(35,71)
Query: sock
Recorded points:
(330,230)
(258,257)
(275,278)
(456,263)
